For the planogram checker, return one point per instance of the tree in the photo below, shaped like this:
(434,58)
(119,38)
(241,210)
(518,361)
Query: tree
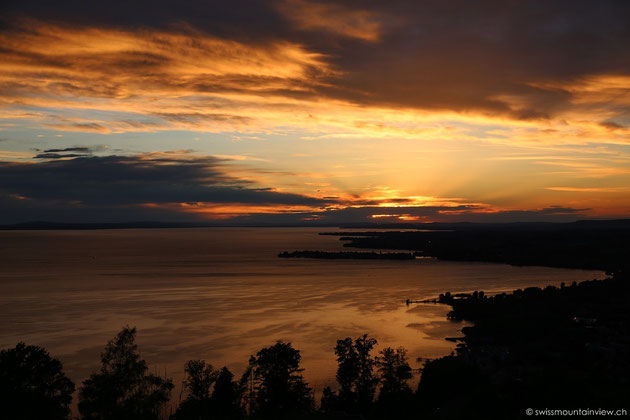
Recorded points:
(347,370)
(201,376)
(366,385)
(394,371)
(246,385)
(123,389)
(329,404)
(33,385)
(355,372)
(199,380)
(226,397)
(280,388)
(395,399)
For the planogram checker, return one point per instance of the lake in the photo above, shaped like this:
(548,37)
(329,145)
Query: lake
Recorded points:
(221,294)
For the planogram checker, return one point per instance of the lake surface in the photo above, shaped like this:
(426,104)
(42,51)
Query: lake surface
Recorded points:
(221,294)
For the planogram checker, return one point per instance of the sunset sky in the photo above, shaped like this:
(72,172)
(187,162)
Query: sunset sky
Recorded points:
(314,111)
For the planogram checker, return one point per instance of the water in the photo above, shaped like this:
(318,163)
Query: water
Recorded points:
(221,294)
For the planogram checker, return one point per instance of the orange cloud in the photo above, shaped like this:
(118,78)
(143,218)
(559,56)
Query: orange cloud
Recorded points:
(57,50)
(333,18)
(12,154)
(601,88)
(591,189)
(402,217)
(213,211)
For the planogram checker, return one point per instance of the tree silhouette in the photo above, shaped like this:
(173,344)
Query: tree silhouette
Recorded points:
(347,370)
(33,385)
(355,372)
(226,397)
(281,392)
(123,389)
(366,385)
(395,399)
(329,404)
(394,371)
(201,376)
(199,380)
(246,385)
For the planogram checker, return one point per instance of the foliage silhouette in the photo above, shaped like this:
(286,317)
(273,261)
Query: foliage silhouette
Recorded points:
(200,377)
(451,388)
(280,390)
(395,398)
(395,372)
(223,404)
(226,397)
(329,404)
(355,375)
(33,385)
(561,346)
(123,389)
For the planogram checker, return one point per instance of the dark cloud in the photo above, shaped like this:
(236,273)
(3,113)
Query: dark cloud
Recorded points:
(254,21)
(68,152)
(58,155)
(611,125)
(101,186)
(473,55)
(80,149)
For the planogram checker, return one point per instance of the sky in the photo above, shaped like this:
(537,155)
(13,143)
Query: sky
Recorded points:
(314,112)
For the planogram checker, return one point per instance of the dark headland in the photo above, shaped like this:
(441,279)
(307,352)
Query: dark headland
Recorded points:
(348,255)
(602,245)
